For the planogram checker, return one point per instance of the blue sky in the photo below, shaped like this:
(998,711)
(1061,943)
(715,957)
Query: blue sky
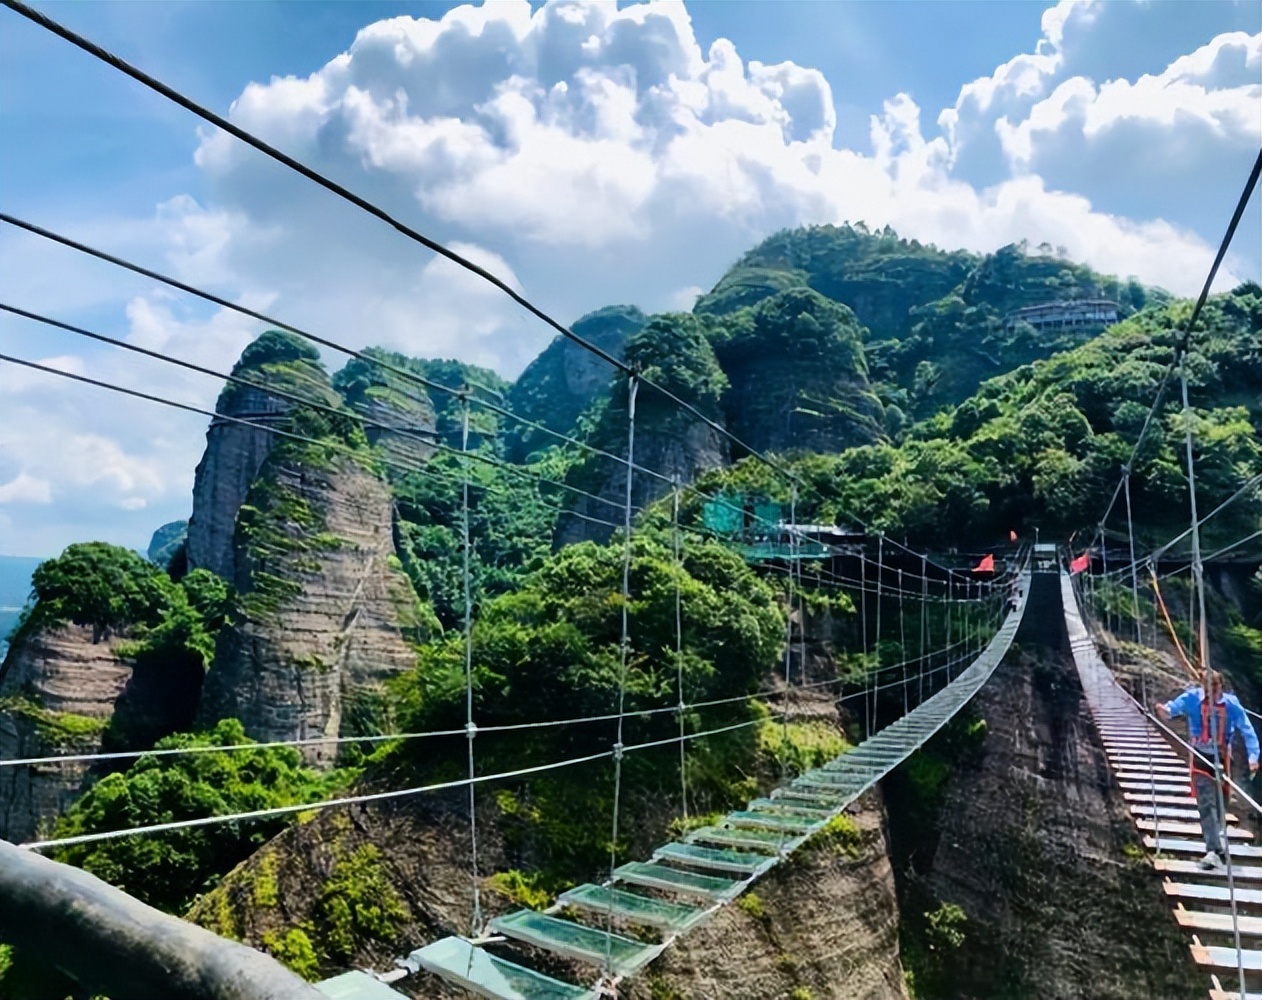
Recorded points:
(588,154)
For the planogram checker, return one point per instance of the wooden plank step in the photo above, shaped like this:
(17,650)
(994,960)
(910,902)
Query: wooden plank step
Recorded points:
(1174,826)
(1160,799)
(1189,811)
(1212,893)
(577,941)
(1181,845)
(1219,994)
(1241,873)
(1165,758)
(1165,812)
(1225,958)
(797,806)
(1218,923)
(1161,787)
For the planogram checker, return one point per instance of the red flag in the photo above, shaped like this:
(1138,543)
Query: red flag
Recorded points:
(1081,563)
(987,565)
(1012,536)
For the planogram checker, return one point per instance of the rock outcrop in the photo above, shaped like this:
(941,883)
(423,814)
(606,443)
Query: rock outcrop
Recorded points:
(1036,850)
(565,379)
(324,608)
(399,415)
(798,377)
(670,441)
(236,451)
(57,694)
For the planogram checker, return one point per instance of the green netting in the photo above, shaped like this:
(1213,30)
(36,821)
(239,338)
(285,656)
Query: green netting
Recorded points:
(771,821)
(769,840)
(706,857)
(632,906)
(565,937)
(457,961)
(766,514)
(725,514)
(664,877)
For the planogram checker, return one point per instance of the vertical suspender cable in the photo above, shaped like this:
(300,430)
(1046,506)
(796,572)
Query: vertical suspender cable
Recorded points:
(924,610)
(470,729)
(633,385)
(1198,585)
(863,620)
(902,643)
(950,606)
(876,645)
(679,647)
(1143,660)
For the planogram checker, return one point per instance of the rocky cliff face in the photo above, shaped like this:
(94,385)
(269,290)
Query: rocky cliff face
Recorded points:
(390,400)
(682,448)
(825,925)
(235,451)
(1038,855)
(57,694)
(562,382)
(324,608)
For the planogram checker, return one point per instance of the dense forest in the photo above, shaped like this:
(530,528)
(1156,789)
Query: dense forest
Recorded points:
(885,373)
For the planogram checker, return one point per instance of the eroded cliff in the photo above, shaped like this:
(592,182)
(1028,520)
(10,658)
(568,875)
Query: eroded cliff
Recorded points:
(57,695)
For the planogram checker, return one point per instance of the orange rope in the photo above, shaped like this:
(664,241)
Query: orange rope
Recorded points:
(1174,636)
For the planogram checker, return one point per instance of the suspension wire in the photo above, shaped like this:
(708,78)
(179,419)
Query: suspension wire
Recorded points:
(1198,584)
(1143,662)
(1182,345)
(429,438)
(788,676)
(876,645)
(677,544)
(471,730)
(1130,538)
(633,385)
(290,435)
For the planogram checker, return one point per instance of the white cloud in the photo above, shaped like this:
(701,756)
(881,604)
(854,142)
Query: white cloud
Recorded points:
(26,489)
(587,155)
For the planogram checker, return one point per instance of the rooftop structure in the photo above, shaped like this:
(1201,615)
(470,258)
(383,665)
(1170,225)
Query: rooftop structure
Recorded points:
(1065,315)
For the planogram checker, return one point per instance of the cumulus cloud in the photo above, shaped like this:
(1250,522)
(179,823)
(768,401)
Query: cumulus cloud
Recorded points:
(589,154)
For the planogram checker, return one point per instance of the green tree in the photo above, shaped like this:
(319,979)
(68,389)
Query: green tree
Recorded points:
(102,586)
(169,869)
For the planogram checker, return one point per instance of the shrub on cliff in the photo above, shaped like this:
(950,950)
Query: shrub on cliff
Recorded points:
(168,870)
(99,585)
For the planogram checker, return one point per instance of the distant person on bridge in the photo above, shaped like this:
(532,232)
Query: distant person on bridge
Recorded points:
(1212,723)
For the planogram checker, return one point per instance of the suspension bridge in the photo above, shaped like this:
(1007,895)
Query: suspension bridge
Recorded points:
(616,925)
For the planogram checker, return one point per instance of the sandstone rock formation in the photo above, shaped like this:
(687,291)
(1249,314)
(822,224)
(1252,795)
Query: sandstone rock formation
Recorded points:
(235,451)
(671,442)
(57,693)
(563,381)
(324,607)
(1036,849)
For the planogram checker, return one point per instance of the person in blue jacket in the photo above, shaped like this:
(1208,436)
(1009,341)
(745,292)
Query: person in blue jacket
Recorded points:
(1212,725)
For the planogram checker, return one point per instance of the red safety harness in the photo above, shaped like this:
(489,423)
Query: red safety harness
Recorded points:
(1203,744)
